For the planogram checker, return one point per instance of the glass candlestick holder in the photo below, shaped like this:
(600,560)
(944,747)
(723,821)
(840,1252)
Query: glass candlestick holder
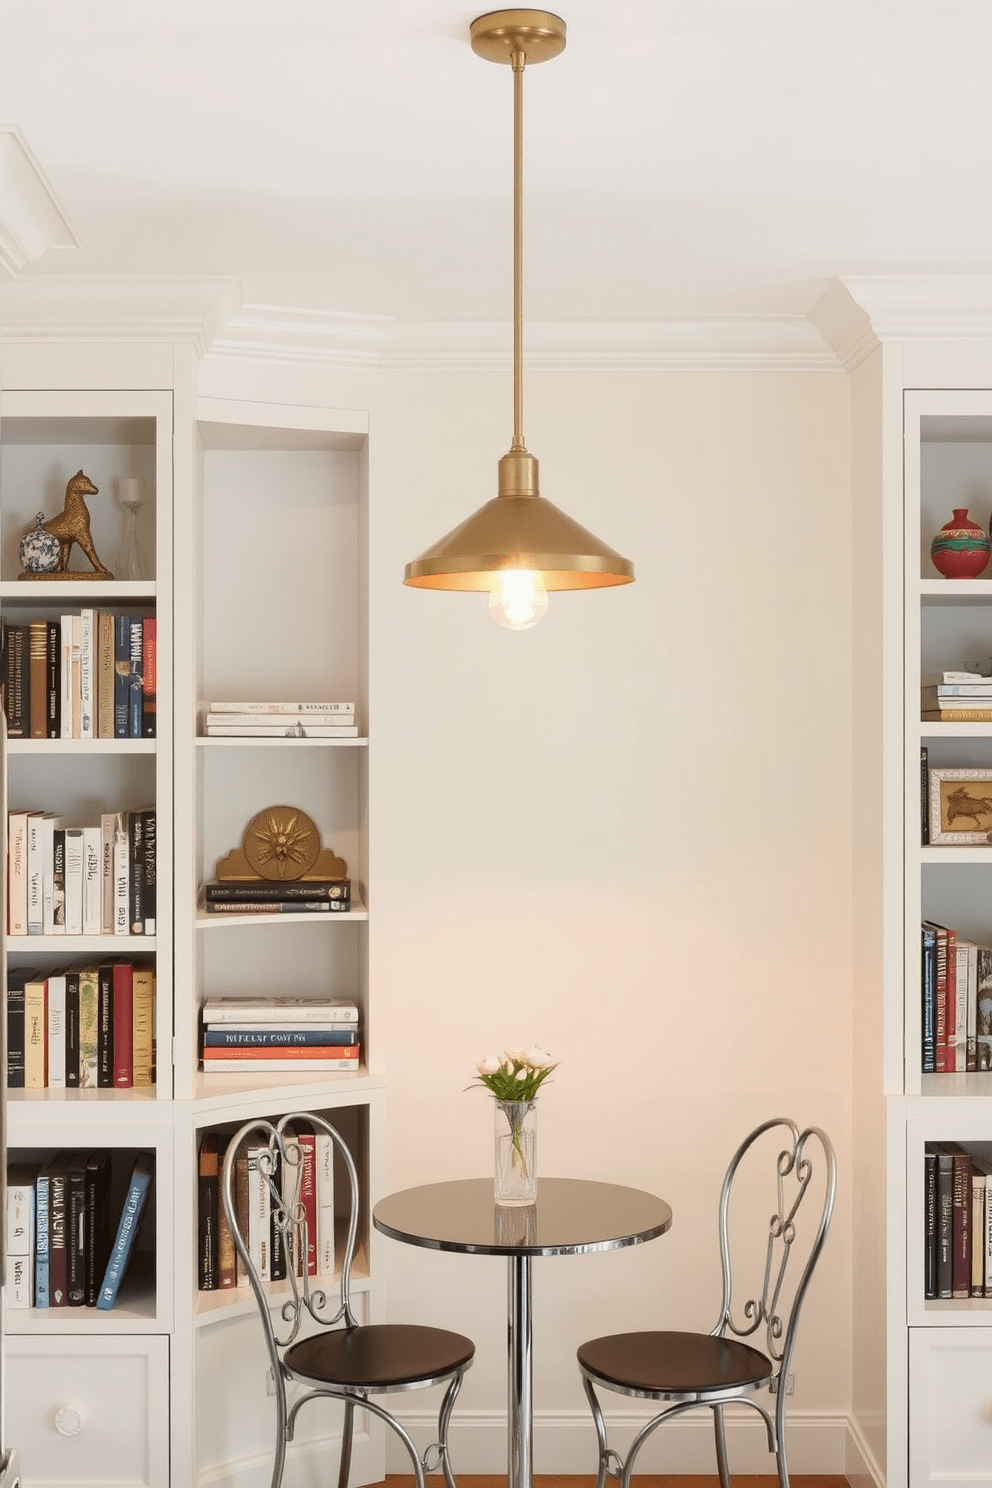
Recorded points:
(130,562)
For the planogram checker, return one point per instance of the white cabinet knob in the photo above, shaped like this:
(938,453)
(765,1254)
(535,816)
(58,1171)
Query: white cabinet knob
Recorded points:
(68,1421)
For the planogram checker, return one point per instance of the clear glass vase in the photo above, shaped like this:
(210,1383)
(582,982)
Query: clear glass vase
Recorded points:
(515,1179)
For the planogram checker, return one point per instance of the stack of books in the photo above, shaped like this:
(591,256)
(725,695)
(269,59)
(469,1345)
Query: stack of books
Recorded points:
(280,721)
(956,697)
(279,1035)
(275,1250)
(91,880)
(91,675)
(81,1028)
(958,1221)
(67,1243)
(275,896)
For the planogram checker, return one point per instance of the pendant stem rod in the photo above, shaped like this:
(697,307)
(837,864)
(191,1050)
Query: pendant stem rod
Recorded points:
(518,62)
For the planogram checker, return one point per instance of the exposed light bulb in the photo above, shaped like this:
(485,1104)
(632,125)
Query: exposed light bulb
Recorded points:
(518,598)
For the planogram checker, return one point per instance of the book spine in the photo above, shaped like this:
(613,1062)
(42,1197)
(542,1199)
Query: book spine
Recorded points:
(263,1052)
(957,715)
(17,873)
(143,982)
(48,828)
(89,1028)
(76,1236)
(227,1256)
(258,1215)
(150,868)
(108,822)
(218,892)
(41,1269)
(72,1067)
(961,1228)
(105,676)
(122,875)
(149,676)
(58,881)
(36,1034)
(56,1032)
(123,1026)
(275,1038)
(75,664)
(105,1028)
(124,1240)
(86,674)
(122,674)
(277,1235)
(300,730)
(280,906)
(135,681)
(237,1011)
(136,871)
(97,1236)
(53,679)
(929,976)
(57,1261)
(278,720)
(16,681)
(977,1233)
(15,1031)
(207,1208)
(324,1161)
(261,707)
(92,881)
(38,679)
(36,874)
(73,880)
(65,677)
(308,1196)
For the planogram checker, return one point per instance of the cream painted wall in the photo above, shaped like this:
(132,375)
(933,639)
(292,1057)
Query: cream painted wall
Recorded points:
(625,835)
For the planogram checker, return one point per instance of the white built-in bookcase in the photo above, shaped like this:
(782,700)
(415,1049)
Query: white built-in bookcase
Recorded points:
(256,523)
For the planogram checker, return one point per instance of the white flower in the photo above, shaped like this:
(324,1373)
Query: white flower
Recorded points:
(515,1056)
(537,1058)
(522,1074)
(489,1065)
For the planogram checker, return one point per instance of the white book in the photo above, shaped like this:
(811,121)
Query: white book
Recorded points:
(259,1236)
(75,654)
(281,707)
(48,824)
(960,1031)
(17,872)
(18,1292)
(108,823)
(56,1033)
(257,1010)
(92,881)
(282,720)
(65,676)
(73,880)
(217,1064)
(87,654)
(19,1233)
(122,876)
(36,872)
(300,728)
(324,1164)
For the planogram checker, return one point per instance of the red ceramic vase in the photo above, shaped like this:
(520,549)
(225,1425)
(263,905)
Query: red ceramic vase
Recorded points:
(961,548)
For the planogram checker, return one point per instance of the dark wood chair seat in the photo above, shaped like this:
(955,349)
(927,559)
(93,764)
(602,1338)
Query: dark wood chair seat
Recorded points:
(674,1365)
(380,1356)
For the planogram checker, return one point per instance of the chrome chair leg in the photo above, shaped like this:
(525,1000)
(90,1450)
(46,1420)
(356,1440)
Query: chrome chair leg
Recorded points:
(597,1416)
(720,1433)
(347,1434)
(444,1417)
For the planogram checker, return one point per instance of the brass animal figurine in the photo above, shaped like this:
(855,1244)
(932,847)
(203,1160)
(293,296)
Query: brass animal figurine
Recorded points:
(72,527)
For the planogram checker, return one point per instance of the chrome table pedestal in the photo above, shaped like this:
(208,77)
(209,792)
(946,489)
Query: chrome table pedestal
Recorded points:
(571,1216)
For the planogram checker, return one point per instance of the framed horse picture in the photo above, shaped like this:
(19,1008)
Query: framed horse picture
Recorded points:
(960,807)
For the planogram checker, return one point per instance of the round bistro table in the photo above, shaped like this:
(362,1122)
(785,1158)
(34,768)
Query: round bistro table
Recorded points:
(570,1217)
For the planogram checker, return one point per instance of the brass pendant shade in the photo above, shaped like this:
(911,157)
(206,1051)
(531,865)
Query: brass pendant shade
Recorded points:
(518,531)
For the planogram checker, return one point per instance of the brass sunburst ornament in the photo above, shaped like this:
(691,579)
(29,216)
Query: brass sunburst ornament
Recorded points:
(281,843)
(518,546)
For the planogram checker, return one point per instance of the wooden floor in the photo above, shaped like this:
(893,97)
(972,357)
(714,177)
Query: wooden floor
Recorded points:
(641,1480)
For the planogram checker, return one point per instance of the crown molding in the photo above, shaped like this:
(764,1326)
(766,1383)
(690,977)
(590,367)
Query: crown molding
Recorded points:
(857,313)
(31,217)
(209,314)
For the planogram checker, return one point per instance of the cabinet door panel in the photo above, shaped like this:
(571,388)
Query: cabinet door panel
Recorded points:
(950,1407)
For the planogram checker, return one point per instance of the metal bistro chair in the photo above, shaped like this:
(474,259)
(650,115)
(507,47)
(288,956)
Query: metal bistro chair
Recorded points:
(342,1360)
(690,1370)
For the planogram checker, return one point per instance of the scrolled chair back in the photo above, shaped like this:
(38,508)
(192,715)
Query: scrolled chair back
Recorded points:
(800,1168)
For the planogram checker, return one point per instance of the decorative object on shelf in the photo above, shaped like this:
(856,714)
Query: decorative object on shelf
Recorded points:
(40,549)
(514,1079)
(961,548)
(518,546)
(71,528)
(130,562)
(960,807)
(281,842)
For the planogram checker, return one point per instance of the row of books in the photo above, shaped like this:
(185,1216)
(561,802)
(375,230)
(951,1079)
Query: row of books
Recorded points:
(81,1028)
(315,896)
(310,1184)
(64,1245)
(279,1035)
(957,1222)
(279,720)
(90,675)
(956,977)
(92,880)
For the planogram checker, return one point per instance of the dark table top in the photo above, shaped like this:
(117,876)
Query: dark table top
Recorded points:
(570,1216)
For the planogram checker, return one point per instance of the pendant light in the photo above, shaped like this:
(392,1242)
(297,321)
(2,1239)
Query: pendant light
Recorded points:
(518,546)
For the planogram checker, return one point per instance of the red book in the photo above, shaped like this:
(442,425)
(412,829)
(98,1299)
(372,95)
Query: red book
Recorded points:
(123,1025)
(149,680)
(308,1195)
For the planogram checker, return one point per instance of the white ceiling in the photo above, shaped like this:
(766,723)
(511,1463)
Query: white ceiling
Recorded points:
(726,154)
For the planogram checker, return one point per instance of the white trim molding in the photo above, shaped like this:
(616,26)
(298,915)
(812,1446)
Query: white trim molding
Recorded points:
(32,219)
(565,1442)
(859,312)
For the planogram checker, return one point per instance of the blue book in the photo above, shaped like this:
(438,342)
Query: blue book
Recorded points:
(41,1296)
(136,687)
(127,1230)
(237,1038)
(122,674)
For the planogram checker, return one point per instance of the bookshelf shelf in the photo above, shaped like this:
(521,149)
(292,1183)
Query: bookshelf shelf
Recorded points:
(203,742)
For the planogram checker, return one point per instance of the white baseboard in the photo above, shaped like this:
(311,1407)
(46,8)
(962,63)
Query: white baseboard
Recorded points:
(861,1468)
(565,1442)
